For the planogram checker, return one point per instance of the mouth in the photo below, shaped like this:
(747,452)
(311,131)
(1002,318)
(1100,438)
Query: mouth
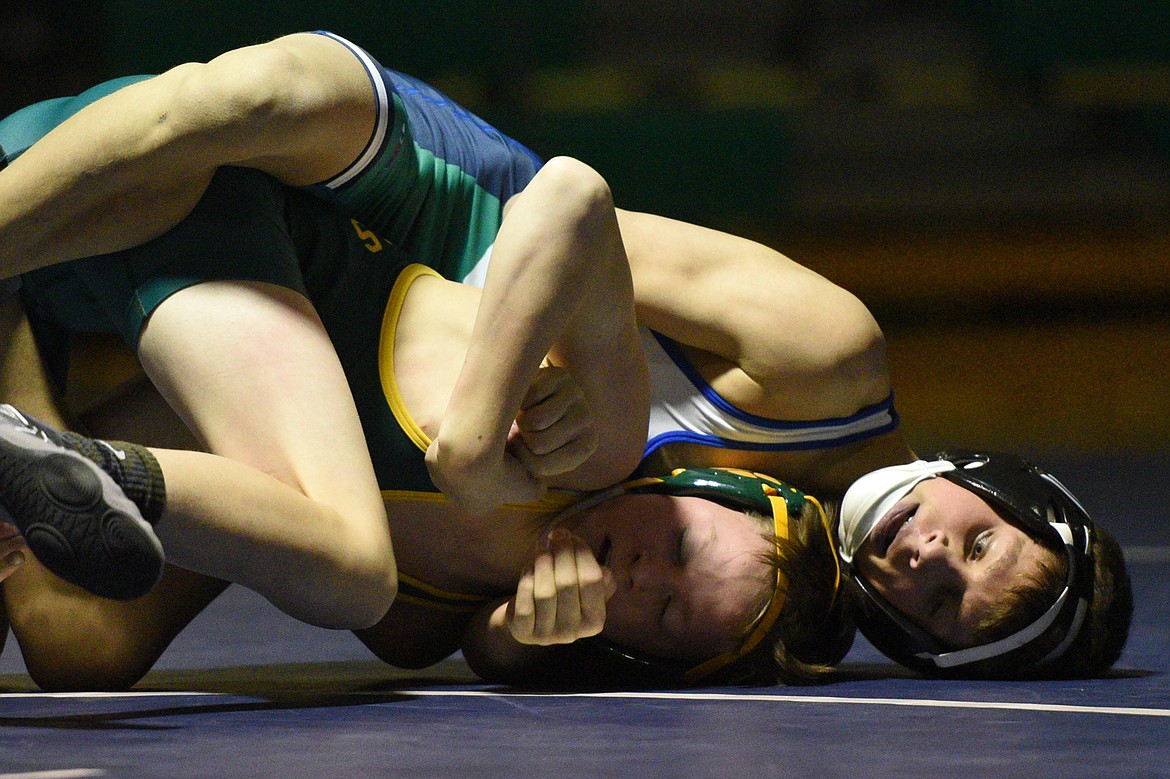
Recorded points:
(891,524)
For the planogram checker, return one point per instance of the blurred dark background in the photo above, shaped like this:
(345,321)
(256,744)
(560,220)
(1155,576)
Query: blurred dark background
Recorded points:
(990,176)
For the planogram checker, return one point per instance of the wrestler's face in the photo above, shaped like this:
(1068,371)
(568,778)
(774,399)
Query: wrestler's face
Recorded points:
(690,575)
(942,556)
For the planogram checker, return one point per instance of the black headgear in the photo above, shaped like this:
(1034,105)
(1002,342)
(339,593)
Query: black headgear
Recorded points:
(1040,505)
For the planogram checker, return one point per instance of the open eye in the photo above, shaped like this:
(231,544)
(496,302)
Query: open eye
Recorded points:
(979,547)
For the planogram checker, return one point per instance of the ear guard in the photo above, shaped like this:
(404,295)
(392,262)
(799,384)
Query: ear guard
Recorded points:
(735,488)
(1040,505)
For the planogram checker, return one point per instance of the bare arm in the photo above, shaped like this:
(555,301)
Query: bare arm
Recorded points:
(131,165)
(560,598)
(490,649)
(560,286)
(796,345)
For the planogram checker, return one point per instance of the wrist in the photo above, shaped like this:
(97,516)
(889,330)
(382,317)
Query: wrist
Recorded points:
(491,650)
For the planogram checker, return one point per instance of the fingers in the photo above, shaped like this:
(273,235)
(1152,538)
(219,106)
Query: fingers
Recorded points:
(544,594)
(555,425)
(10,563)
(597,586)
(543,436)
(550,396)
(561,460)
(480,487)
(561,597)
(12,550)
(521,613)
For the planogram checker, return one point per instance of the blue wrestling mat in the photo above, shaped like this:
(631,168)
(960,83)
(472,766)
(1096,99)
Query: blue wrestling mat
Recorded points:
(247,692)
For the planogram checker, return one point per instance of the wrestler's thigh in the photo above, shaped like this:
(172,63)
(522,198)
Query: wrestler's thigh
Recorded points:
(249,368)
(71,639)
(23,380)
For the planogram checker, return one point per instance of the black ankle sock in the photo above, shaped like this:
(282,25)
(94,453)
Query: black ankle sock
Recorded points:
(132,466)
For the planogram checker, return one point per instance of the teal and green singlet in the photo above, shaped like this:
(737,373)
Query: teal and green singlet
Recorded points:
(429,189)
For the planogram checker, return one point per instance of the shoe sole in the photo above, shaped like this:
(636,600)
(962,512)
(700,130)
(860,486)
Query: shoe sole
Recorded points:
(75,518)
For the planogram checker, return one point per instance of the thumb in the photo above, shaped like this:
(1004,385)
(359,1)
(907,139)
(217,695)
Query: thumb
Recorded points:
(11,562)
(608,582)
(432,453)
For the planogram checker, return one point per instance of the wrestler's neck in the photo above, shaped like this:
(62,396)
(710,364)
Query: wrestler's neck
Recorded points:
(476,556)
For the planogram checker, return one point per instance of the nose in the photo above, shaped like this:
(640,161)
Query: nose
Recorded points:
(643,575)
(933,551)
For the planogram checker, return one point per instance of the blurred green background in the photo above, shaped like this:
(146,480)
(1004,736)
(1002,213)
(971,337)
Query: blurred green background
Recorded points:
(991,176)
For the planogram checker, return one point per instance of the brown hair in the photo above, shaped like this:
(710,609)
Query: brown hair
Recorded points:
(1101,638)
(1024,603)
(814,630)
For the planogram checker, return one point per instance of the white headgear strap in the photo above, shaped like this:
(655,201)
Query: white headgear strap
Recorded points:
(869,498)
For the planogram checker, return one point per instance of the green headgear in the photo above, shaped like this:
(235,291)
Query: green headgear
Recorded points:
(735,488)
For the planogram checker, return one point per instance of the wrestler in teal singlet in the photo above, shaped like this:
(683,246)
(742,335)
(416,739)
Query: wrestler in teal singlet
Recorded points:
(429,188)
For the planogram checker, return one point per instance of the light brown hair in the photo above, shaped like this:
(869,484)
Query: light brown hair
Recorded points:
(815,628)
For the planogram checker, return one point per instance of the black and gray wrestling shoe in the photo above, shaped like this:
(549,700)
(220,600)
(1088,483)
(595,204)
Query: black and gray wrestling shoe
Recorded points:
(73,516)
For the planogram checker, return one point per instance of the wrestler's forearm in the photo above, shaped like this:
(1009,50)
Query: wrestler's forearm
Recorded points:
(558,283)
(101,181)
(807,348)
(131,165)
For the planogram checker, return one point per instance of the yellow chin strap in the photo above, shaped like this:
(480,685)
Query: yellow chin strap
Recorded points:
(758,629)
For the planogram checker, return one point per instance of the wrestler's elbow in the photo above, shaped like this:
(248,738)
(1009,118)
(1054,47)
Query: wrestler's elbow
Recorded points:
(852,359)
(833,366)
(578,192)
